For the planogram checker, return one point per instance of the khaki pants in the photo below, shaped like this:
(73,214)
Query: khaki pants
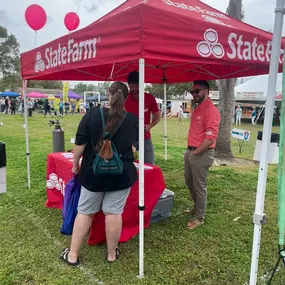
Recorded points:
(196,171)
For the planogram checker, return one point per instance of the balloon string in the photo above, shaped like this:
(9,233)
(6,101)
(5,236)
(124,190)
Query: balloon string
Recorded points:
(35,39)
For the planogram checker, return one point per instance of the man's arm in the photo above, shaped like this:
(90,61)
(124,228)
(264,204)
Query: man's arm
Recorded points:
(155,119)
(156,114)
(205,145)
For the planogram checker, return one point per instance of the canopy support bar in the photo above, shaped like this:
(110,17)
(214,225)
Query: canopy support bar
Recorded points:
(24,97)
(267,129)
(141,166)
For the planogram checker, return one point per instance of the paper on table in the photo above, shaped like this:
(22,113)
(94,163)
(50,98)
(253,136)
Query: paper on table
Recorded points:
(145,167)
(68,155)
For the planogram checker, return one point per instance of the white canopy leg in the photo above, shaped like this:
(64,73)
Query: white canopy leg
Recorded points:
(26,133)
(165,124)
(141,166)
(258,218)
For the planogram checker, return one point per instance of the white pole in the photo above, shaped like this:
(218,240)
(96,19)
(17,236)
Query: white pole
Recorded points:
(27,133)
(84,98)
(141,167)
(165,124)
(259,217)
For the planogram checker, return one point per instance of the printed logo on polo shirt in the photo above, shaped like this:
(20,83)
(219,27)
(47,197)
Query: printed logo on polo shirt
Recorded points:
(210,45)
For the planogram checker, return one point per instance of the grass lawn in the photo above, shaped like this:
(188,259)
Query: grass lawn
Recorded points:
(217,253)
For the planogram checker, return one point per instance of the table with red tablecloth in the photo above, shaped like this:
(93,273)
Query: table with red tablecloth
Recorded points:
(59,167)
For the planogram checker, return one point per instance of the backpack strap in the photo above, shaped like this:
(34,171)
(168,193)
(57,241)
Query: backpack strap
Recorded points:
(102,118)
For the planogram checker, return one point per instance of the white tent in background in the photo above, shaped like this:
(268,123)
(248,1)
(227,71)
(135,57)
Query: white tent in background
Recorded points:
(255,89)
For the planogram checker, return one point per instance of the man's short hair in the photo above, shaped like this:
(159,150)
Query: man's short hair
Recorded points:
(202,83)
(133,77)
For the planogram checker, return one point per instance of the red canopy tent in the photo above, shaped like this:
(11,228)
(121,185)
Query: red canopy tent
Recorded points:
(180,41)
(168,42)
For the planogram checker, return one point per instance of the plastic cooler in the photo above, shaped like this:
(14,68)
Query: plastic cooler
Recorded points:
(163,207)
(273,153)
(3,186)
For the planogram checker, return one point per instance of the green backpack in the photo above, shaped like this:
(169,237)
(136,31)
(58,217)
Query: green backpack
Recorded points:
(108,160)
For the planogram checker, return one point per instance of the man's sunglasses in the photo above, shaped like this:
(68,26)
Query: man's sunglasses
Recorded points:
(196,91)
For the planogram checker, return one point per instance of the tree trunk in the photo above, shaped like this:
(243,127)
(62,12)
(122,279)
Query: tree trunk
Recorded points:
(227,98)
(226,106)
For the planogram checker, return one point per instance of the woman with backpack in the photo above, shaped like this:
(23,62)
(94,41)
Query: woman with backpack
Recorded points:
(104,188)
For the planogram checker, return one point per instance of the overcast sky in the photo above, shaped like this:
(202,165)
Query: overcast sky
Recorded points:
(259,13)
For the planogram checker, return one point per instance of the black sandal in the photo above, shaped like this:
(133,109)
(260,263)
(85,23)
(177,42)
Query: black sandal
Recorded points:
(118,252)
(64,257)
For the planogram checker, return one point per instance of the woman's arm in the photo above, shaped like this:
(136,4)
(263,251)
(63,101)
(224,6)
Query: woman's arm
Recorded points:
(77,153)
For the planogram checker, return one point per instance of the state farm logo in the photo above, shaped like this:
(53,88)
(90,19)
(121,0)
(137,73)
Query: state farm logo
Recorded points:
(40,64)
(74,50)
(210,46)
(236,46)
(53,182)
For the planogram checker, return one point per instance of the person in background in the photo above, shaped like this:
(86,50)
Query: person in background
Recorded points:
(238,115)
(30,106)
(181,114)
(61,106)
(253,116)
(36,106)
(73,108)
(109,192)
(87,107)
(67,106)
(199,156)
(13,106)
(152,114)
(81,107)
(7,101)
(2,104)
(47,108)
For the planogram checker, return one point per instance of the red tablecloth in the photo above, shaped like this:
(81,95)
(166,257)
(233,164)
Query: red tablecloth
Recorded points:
(59,167)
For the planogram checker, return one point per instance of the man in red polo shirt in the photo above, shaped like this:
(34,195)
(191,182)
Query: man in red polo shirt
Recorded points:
(199,157)
(151,113)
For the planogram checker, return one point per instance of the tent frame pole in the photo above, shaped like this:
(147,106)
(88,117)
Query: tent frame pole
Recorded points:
(259,216)
(26,132)
(165,124)
(141,166)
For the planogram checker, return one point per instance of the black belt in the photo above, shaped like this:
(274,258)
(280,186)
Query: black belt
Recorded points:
(192,148)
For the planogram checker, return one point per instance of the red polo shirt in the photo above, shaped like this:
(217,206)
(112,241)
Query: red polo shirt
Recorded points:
(205,122)
(150,107)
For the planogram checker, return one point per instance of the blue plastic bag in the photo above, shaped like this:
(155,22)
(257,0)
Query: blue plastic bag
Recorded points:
(70,204)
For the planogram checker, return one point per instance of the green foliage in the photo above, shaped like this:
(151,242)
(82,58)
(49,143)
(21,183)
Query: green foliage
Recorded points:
(9,61)
(45,84)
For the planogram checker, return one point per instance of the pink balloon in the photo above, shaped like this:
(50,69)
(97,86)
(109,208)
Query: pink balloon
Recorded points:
(36,17)
(71,21)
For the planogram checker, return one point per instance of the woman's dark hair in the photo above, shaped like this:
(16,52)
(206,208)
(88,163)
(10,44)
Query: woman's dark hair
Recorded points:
(118,92)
